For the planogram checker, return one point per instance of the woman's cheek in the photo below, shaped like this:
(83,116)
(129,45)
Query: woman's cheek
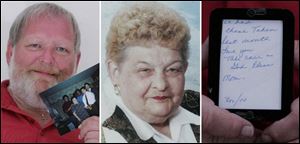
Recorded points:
(142,86)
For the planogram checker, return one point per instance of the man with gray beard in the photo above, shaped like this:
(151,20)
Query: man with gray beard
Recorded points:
(42,50)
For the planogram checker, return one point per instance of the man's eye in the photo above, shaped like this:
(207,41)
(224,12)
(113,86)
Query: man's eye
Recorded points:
(35,46)
(61,50)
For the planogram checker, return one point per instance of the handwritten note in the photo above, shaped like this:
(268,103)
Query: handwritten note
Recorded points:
(251,64)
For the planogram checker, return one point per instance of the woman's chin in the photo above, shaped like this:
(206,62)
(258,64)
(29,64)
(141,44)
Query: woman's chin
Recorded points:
(161,111)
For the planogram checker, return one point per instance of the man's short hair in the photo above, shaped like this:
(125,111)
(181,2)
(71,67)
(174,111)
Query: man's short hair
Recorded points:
(42,9)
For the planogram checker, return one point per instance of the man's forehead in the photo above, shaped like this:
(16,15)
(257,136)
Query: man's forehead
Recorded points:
(36,19)
(36,27)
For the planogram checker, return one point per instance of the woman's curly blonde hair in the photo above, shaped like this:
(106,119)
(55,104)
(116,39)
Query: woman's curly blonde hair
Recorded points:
(145,24)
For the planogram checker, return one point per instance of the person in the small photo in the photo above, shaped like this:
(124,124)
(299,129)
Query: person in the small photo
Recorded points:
(95,90)
(67,109)
(43,49)
(90,89)
(89,101)
(67,104)
(147,58)
(78,111)
(79,96)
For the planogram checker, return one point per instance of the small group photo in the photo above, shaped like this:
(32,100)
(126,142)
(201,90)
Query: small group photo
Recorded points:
(74,100)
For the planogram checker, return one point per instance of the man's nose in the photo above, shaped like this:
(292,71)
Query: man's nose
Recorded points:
(47,56)
(160,82)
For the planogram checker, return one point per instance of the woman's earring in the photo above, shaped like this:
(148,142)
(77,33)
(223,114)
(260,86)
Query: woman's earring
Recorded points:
(117,89)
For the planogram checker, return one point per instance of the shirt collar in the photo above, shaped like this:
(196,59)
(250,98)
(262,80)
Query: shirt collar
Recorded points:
(6,100)
(8,103)
(142,128)
(181,118)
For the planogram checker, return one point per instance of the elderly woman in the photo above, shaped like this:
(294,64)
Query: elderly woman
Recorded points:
(147,52)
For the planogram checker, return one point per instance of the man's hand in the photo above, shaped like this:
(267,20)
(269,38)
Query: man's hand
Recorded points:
(220,122)
(286,129)
(89,130)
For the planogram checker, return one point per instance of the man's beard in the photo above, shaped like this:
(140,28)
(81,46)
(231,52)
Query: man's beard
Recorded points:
(25,87)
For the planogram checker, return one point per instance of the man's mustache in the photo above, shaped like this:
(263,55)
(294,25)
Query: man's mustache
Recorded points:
(50,70)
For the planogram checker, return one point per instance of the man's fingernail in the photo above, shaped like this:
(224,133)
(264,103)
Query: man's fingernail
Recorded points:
(266,138)
(79,126)
(247,131)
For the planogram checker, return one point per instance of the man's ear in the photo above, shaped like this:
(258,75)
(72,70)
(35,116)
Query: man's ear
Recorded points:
(113,71)
(9,52)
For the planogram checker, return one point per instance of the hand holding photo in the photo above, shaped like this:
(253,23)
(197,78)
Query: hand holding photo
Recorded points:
(74,100)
